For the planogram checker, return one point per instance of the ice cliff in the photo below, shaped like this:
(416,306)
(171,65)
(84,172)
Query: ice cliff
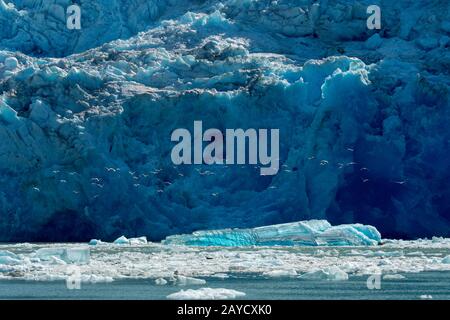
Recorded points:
(86,115)
(304,233)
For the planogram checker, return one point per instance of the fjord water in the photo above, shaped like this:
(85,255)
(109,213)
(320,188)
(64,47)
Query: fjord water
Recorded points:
(436,284)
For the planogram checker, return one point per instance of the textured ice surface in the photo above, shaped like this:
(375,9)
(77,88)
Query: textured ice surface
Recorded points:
(331,273)
(80,255)
(206,294)
(187,265)
(85,138)
(123,240)
(306,233)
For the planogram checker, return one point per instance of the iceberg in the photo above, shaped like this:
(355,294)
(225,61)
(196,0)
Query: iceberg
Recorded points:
(187,281)
(160,282)
(124,240)
(331,273)
(9,258)
(78,255)
(303,233)
(280,273)
(95,242)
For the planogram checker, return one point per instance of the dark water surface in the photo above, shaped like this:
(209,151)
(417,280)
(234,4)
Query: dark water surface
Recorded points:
(436,284)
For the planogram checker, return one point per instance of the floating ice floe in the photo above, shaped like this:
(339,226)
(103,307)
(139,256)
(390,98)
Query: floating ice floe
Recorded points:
(331,273)
(206,294)
(280,273)
(393,277)
(160,282)
(9,258)
(122,240)
(79,255)
(132,241)
(446,260)
(305,233)
(187,281)
(95,242)
(189,265)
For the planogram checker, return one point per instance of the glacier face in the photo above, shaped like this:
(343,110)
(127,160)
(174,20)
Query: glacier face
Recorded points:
(86,115)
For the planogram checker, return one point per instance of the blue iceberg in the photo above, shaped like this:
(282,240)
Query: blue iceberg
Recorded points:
(303,233)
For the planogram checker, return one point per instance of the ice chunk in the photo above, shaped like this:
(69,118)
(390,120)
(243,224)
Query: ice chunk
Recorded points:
(11,63)
(188,281)
(46,254)
(206,294)
(160,282)
(315,275)
(7,114)
(9,258)
(6,253)
(393,277)
(138,241)
(280,273)
(220,276)
(307,233)
(95,242)
(80,255)
(122,240)
(132,241)
(332,273)
(446,260)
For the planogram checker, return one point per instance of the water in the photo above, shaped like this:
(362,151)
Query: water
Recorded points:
(436,284)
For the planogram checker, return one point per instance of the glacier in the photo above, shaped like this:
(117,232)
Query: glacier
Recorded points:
(86,116)
(304,233)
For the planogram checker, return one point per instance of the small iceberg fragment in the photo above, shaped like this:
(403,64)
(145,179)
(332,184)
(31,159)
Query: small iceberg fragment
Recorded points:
(9,258)
(303,233)
(331,273)
(187,281)
(446,260)
(79,255)
(160,282)
(206,294)
(132,241)
(122,240)
(138,241)
(393,277)
(220,276)
(95,242)
(11,63)
(280,273)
